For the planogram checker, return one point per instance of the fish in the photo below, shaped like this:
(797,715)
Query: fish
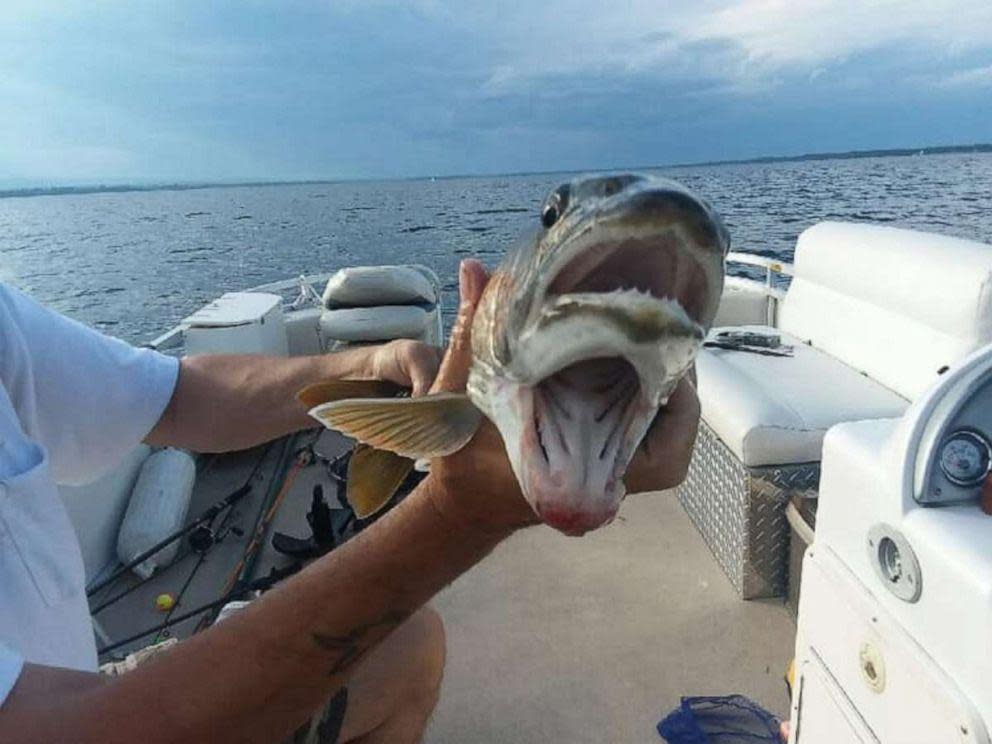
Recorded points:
(580,337)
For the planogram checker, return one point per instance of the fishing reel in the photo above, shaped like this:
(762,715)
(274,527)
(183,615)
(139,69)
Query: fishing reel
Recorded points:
(203,536)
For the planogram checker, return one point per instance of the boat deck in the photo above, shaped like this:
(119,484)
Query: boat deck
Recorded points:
(551,639)
(557,639)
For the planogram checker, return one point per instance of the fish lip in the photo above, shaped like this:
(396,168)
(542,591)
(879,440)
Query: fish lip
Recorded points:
(574,524)
(655,336)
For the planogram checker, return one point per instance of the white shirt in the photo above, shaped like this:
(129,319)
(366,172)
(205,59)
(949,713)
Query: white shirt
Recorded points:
(72,403)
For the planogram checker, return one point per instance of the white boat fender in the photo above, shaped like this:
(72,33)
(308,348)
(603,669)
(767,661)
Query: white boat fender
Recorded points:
(158,507)
(374,323)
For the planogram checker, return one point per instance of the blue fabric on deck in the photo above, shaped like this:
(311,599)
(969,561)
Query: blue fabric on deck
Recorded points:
(732,719)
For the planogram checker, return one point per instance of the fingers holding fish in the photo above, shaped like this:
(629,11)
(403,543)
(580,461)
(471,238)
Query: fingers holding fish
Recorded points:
(453,374)
(662,460)
(475,485)
(409,363)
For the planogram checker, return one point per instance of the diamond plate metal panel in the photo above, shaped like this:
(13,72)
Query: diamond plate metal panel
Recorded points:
(740,512)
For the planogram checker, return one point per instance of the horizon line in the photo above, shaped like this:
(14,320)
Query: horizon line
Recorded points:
(124,187)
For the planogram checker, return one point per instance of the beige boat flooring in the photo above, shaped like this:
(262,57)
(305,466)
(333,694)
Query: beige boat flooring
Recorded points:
(556,639)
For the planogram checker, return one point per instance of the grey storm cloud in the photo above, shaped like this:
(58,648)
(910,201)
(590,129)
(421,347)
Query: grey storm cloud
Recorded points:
(242,90)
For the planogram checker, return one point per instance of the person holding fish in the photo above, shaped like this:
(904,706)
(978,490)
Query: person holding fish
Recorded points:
(566,383)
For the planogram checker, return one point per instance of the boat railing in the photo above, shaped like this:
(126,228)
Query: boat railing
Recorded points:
(287,287)
(774,270)
(773,284)
(171,340)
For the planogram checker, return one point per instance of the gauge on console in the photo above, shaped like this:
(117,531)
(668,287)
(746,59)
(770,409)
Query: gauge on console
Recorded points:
(965,457)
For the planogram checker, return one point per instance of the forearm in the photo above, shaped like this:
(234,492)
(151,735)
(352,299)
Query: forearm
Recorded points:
(226,402)
(256,676)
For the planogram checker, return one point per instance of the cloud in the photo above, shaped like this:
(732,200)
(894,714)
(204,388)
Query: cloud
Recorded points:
(309,88)
(736,40)
(786,32)
(975,76)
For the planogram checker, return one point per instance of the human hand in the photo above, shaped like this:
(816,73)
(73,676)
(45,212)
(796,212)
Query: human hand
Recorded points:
(408,363)
(663,458)
(474,487)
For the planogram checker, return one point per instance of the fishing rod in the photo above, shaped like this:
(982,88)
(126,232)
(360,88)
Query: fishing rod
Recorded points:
(138,584)
(304,456)
(195,528)
(239,574)
(196,566)
(260,584)
(206,543)
(192,574)
(230,591)
(238,584)
(206,516)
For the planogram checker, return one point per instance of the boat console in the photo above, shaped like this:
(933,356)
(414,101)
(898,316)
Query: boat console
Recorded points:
(894,636)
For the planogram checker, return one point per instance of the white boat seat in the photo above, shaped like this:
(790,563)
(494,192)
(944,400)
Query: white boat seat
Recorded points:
(875,315)
(899,305)
(374,304)
(773,410)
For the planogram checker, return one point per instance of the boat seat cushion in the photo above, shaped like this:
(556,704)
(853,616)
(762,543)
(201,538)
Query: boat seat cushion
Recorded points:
(369,286)
(772,410)
(374,323)
(899,305)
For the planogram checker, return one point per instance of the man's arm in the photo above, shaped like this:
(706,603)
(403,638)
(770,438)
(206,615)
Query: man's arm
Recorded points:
(256,676)
(230,402)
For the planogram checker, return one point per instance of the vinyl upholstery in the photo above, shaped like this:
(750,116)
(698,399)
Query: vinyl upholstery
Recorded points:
(875,315)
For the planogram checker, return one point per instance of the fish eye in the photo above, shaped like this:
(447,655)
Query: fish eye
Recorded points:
(555,206)
(549,215)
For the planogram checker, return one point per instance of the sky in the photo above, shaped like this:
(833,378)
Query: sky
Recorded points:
(105,92)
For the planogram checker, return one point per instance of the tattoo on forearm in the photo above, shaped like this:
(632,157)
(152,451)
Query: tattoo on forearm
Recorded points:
(353,645)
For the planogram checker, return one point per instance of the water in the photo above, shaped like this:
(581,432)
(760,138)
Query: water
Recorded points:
(133,264)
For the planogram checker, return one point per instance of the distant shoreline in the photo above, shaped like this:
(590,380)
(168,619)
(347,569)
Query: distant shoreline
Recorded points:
(768,159)
(851,155)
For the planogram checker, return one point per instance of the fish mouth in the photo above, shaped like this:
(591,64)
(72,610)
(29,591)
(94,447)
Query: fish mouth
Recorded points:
(659,267)
(583,432)
(585,418)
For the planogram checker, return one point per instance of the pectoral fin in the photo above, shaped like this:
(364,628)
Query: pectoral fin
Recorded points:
(330,390)
(431,426)
(373,477)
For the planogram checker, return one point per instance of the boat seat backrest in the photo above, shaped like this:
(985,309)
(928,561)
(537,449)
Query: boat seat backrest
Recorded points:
(897,305)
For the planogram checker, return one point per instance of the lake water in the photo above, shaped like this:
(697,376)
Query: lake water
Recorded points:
(133,264)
